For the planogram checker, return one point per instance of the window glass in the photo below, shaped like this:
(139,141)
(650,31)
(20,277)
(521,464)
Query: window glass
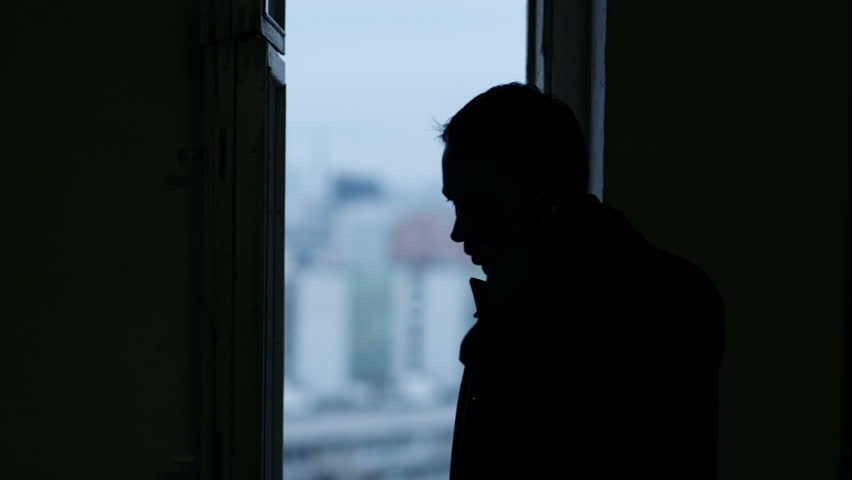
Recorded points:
(376,295)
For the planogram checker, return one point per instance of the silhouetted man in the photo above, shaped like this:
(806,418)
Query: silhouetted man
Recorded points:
(595,355)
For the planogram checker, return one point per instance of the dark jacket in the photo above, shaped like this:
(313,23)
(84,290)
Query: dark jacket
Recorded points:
(608,370)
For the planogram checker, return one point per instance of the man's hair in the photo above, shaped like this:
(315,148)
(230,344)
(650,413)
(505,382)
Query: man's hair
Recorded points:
(532,140)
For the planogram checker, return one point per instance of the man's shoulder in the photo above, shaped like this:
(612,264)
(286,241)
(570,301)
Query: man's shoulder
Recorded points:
(688,303)
(676,274)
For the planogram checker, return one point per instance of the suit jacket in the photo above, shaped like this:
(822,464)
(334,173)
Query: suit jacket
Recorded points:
(606,369)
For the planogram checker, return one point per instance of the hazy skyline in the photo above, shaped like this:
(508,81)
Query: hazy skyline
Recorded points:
(368,80)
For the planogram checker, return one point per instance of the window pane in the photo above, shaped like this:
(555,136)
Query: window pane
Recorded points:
(275,9)
(377,297)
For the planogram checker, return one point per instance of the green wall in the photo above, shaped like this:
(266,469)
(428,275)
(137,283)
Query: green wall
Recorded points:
(727,130)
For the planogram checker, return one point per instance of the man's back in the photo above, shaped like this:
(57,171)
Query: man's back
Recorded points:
(605,365)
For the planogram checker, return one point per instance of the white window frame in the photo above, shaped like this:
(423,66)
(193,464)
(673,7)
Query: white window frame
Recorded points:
(566,58)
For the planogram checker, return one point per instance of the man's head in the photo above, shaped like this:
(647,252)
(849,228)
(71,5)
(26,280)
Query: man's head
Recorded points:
(511,155)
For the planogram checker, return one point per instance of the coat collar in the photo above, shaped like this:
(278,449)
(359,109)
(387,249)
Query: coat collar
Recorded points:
(594,236)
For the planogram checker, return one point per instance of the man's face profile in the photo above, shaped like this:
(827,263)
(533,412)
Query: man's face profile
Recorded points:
(483,212)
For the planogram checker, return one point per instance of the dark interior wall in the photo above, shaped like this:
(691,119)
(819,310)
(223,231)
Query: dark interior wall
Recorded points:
(727,141)
(100,336)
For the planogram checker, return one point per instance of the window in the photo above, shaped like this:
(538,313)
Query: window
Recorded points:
(377,298)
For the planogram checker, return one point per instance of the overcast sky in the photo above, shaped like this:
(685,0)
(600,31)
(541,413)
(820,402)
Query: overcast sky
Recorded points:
(367,80)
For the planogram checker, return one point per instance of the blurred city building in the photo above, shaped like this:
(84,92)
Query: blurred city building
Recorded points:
(376,304)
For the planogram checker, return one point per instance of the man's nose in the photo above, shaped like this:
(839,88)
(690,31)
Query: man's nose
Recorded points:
(456,234)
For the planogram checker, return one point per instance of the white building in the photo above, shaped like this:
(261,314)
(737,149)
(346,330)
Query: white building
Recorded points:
(431,312)
(321,330)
